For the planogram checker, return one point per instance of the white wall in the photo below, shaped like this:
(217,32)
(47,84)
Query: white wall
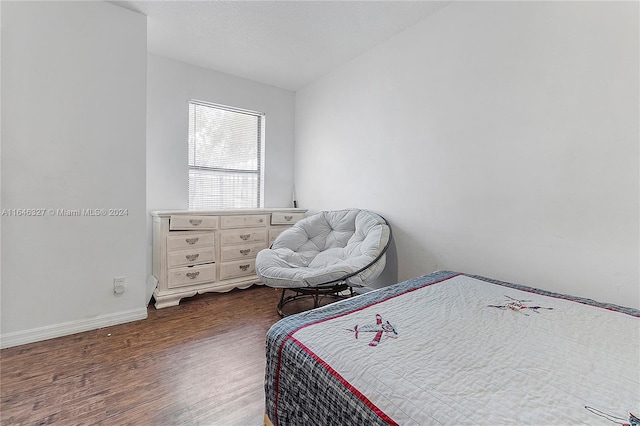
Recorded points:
(170,86)
(73,137)
(499,138)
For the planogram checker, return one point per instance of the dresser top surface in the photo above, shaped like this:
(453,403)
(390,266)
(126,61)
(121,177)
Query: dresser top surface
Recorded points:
(224,212)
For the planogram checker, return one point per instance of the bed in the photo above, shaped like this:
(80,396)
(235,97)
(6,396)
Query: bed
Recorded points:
(454,349)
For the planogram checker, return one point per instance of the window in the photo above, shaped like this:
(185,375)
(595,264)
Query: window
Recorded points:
(225,157)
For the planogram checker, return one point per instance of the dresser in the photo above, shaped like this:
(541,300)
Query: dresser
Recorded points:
(205,251)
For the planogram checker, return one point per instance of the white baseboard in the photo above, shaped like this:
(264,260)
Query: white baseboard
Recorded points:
(64,329)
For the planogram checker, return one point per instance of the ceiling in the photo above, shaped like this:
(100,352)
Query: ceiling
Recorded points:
(287,44)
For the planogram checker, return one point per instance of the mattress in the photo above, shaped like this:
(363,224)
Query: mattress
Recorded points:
(455,349)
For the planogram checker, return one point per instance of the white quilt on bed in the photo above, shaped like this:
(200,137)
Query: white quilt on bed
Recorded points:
(465,351)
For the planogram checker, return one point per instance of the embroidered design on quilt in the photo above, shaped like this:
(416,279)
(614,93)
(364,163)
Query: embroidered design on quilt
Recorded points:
(381,328)
(630,420)
(520,306)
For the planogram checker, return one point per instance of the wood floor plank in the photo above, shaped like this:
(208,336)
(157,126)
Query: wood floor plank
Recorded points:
(199,363)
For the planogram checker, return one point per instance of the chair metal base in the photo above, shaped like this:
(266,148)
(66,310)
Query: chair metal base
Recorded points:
(315,293)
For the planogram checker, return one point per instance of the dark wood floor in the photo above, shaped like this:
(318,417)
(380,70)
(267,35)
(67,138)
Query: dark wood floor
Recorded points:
(199,363)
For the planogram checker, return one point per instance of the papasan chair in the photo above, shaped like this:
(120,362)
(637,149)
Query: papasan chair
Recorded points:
(326,254)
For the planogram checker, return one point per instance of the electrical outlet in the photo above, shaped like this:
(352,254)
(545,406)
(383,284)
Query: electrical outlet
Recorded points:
(119,285)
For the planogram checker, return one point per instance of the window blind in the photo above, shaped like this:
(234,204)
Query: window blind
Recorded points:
(225,157)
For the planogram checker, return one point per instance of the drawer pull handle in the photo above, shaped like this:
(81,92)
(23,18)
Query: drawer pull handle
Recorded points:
(245,237)
(288,218)
(192,240)
(193,275)
(260,220)
(244,267)
(245,252)
(192,257)
(195,222)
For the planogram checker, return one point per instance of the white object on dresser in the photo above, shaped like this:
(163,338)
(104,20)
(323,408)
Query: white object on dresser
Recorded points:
(204,251)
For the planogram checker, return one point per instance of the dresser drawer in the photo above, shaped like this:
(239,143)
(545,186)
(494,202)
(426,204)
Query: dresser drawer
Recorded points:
(285,218)
(247,251)
(184,222)
(187,240)
(190,257)
(237,269)
(274,232)
(180,277)
(244,221)
(242,236)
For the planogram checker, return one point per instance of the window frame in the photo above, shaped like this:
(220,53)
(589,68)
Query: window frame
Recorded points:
(260,149)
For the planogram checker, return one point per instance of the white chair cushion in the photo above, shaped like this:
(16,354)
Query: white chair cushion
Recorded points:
(326,247)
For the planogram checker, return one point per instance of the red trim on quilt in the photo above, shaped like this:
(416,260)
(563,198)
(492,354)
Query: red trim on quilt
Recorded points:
(372,304)
(346,384)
